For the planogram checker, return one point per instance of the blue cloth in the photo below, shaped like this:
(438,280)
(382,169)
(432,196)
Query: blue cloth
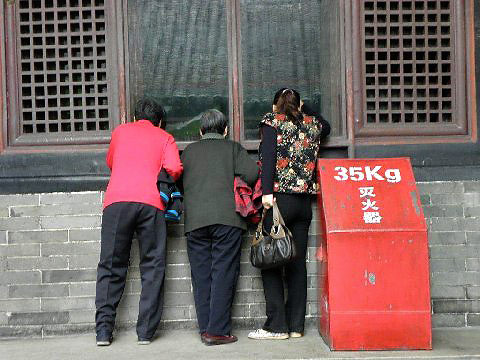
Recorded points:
(171,197)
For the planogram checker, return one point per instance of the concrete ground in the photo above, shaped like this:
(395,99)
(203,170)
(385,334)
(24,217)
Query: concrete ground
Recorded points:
(182,344)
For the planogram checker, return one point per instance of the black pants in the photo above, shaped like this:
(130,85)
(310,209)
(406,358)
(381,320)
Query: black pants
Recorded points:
(214,254)
(289,316)
(119,223)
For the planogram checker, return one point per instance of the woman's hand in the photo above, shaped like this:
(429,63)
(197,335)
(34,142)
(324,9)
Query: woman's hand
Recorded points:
(267,201)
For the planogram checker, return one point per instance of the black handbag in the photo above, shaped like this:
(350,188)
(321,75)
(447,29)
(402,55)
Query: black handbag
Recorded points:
(274,249)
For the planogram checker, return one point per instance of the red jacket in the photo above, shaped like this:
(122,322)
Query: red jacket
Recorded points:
(137,153)
(248,201)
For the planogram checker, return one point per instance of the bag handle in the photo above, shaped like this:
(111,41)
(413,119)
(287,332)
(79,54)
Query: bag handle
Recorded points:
(277,215)
(279,229)
(278,226)
(259,232)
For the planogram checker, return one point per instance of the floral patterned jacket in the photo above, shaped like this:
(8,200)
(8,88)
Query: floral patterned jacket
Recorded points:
(297,149)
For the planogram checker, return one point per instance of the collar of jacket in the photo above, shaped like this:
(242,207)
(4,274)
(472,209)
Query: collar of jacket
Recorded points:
(144,122)
(212,136)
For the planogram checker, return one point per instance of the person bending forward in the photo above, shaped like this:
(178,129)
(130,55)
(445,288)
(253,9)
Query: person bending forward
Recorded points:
(213,228)
(137,153)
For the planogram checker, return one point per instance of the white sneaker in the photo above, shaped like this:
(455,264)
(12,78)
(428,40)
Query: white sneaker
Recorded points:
(261,334)
(295,334)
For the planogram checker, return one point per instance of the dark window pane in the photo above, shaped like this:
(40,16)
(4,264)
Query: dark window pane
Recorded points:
(178,56)
(291,43)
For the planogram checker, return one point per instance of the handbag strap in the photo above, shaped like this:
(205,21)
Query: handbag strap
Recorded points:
(277,220)
(260,224)
(277,216)
(259,232)
(279,229)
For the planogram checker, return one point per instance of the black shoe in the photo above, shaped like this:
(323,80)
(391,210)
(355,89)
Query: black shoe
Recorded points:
(209,340)
(144,340)
(104,338)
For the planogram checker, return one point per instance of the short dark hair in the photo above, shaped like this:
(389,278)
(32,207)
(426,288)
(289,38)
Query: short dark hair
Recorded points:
(148,109)
(214,121)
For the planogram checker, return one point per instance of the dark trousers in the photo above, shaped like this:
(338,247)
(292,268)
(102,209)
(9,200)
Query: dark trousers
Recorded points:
(289,316)
(214,254)
(119,223)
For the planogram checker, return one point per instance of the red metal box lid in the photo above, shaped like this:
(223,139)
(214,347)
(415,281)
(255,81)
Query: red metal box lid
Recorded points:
(369,195)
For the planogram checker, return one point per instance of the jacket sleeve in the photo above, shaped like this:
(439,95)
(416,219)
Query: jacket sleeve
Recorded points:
(326,128)
(111,151)
(171,162)
(268,152)
(179,181)
(245,166)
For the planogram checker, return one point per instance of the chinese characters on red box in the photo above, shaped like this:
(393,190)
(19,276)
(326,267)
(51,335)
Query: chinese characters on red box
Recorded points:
(371,214)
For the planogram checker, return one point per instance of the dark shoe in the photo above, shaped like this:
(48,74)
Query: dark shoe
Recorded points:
(144,341)
(209,340)
(104,338)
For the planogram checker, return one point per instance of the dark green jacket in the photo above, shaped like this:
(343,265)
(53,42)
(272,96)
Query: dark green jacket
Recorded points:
(209,167)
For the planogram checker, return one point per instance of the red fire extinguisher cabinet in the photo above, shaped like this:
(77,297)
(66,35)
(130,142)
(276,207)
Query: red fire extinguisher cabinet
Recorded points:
(372,254)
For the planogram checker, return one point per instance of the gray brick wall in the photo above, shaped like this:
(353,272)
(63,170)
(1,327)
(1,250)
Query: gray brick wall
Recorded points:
(49,249)
(452,212)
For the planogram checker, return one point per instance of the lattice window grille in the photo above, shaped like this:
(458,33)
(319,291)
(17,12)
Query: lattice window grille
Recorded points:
(62,61)
(408,62)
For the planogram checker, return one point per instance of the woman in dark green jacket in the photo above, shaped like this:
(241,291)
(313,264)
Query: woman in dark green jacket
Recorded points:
(213,228)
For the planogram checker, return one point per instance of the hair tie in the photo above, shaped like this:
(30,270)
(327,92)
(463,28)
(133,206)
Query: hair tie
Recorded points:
(287,89)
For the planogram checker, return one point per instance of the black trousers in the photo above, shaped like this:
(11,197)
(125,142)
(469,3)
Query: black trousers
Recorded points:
(214,254)
(289,316)
(119,223)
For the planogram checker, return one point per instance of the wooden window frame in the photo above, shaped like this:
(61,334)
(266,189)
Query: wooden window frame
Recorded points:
(465,131)
(10,91)
(352,103)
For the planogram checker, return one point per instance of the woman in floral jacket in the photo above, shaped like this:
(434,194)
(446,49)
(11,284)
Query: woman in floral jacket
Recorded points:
(288,152)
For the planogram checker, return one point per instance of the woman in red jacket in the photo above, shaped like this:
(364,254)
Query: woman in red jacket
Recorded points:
(137,153)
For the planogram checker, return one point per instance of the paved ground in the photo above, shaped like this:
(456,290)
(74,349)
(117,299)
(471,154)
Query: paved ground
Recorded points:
(180,345)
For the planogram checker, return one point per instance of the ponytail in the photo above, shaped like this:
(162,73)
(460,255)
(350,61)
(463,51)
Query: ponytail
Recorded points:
(288,104)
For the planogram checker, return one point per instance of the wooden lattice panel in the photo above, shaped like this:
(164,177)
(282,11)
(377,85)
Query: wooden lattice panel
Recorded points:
(62,61)
(408,62)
